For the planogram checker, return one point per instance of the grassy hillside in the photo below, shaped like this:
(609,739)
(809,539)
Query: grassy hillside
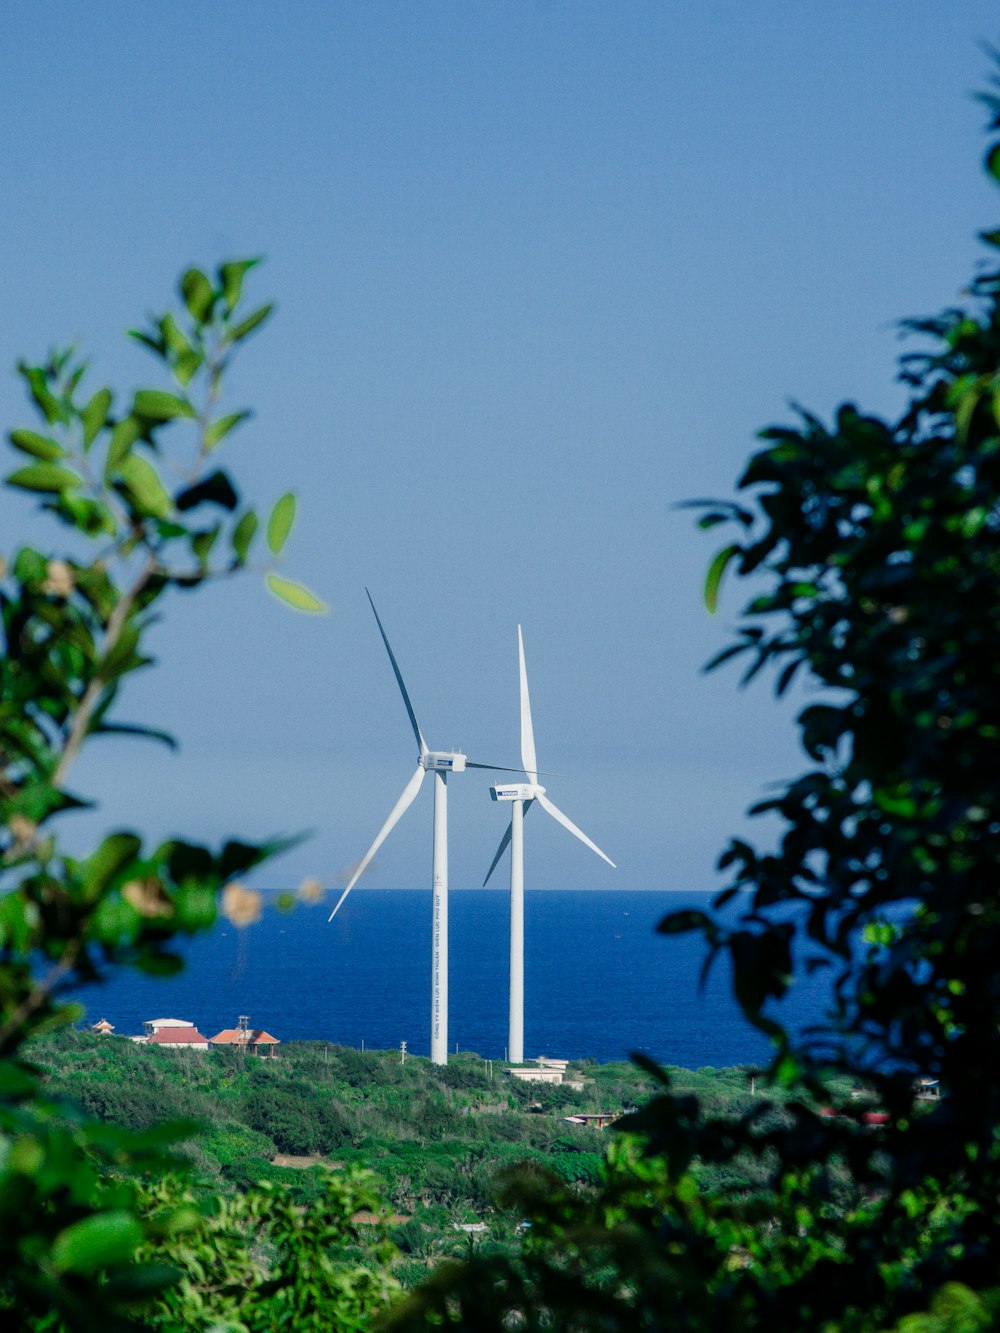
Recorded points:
(437,1138)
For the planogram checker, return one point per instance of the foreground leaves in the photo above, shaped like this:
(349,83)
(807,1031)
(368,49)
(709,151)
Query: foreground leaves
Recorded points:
(145,515)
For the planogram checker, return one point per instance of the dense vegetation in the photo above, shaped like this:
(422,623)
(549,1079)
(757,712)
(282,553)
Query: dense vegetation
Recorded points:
(438,1143)
(435,1136)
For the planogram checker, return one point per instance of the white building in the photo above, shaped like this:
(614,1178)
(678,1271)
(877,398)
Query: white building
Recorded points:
(177,1033)
(540,1070)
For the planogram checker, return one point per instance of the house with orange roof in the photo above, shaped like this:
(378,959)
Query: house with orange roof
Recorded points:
(245,1038)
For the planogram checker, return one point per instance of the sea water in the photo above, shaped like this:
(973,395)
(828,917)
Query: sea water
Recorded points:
(599,981)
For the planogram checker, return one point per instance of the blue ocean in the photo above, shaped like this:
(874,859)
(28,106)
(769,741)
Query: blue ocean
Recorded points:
(599,981)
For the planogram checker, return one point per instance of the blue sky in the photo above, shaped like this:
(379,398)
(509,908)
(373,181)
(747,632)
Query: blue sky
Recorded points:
(542,271)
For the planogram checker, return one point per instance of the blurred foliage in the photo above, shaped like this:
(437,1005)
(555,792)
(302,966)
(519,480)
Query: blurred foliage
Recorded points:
(872,548)
(143,507)
(260,1259)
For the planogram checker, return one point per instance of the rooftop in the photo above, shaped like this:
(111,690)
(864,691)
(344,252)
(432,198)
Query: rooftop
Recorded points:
(236,1037)
(177,1036)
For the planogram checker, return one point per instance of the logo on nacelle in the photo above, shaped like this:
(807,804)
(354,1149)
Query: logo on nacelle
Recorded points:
(521,791)
(444,761)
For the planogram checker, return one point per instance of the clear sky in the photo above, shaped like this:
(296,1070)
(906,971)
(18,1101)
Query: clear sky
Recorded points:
(542,271)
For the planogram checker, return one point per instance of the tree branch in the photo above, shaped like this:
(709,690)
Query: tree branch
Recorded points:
(92,694)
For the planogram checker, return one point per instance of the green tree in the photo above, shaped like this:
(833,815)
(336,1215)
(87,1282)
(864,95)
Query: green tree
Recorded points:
(262,1260)
(79,1244)
(873,551)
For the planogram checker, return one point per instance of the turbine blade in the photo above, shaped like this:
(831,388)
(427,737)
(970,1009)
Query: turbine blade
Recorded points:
(398,810)
(493,768)
(421,743)
(505,843)
(566,822)
(528,756)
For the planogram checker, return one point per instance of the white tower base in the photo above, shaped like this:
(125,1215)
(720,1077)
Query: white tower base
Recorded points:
(439,924)
(515,1041)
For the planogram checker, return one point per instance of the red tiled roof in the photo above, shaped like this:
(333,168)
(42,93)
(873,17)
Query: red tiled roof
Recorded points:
(177,1037)
(234,1037)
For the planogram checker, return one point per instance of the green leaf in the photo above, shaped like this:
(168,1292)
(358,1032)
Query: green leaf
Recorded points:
(198,294)
(15,1081)
(87,515)
(202,543)
(37,383)
(187,359)
(218,430)
(993,161)
(121,655)
(157,405)
(174,337)
(94,415)
(136,1284)
(195,907)
(114,853)
(124,435)
(38,446)
(30,566)
(713,578)
(243,535)
(186,366)
(145,486)
(279,525)
(156,345)
(250,323)
(43,477)
(238,857)
(100,1241)
(295,595)
(231,277)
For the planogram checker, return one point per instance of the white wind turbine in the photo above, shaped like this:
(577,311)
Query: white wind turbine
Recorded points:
(440,763)
(522,795)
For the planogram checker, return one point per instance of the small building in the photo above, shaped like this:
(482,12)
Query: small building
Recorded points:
(103,1028)
(153,1025)
(175,1033)
(247,1039)
(540,1070)
(177,1038)
(928,1089)
(592,1119)
(532,1074)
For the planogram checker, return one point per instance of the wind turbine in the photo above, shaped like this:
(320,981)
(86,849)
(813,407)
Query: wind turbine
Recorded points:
(440,763)
(522,796)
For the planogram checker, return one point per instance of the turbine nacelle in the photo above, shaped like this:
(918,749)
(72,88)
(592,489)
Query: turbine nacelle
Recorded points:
(517,791)
(443,761)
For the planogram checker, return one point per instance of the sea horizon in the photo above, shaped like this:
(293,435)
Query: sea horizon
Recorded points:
(600,983)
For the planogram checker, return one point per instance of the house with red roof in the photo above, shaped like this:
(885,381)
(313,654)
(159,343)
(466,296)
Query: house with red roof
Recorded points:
(177,1034)
(178,1039)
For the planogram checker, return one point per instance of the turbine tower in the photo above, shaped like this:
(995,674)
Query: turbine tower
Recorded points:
(522,795)
(440,763)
